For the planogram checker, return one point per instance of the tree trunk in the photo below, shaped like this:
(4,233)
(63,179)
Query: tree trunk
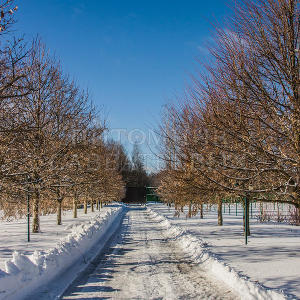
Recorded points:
(59,204)
(190,210)
(75,207)
(85,206)
(247,208)
(201,211)
(97,204)
(35,215)
(92,205)
(220,214)
(261,209)
(101,204)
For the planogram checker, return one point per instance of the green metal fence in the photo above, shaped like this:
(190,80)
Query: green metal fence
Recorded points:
(151,195)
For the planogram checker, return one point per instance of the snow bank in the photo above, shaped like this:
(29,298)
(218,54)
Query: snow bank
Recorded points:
(197,249)
(23,274)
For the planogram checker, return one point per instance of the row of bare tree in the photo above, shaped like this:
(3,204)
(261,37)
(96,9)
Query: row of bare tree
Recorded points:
(52,148)
(236,131)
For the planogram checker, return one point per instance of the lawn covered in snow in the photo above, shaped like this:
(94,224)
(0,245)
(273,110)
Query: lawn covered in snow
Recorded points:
(65,249)
(13,235)
(272,256)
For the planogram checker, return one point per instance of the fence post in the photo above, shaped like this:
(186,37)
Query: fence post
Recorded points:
(28,216)
(246,219)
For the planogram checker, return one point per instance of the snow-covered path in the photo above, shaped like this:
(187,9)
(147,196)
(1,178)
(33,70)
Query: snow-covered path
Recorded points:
(142,263)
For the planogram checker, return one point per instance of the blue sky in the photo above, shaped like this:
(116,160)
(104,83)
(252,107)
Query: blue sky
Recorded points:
(133,56)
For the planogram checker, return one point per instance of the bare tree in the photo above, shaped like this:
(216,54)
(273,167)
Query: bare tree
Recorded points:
(7,10)
(239,126)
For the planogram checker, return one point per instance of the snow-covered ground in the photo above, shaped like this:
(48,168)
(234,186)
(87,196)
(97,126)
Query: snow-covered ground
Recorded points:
(153,255)
(28,266)
(143,263)
(272,256)
(13,235)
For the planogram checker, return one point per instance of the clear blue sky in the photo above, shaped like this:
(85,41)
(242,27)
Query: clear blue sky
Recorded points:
(132,55)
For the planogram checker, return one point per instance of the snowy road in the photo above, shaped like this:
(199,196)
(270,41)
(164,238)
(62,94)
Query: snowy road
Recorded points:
(141,263)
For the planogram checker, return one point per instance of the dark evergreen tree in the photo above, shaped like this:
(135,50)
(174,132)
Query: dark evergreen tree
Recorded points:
(139,176)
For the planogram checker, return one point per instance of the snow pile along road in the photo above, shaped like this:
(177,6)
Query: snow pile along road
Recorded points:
(197,249)
(24,274)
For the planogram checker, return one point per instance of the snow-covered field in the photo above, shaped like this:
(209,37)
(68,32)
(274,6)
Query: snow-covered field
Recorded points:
(28,266)
(271,257)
